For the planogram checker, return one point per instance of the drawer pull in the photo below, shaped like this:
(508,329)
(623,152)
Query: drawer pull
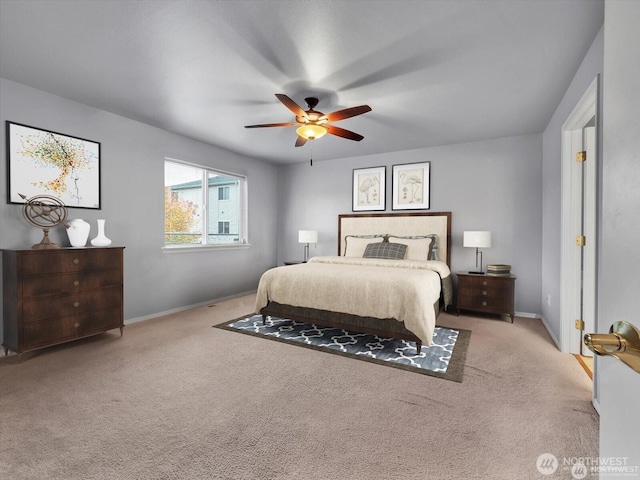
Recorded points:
(76,304)
(484,292)
(76,283)
(485,283)
(76,261)
(76,324)
(484,304)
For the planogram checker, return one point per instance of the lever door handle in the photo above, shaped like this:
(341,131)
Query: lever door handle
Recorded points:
(622,342)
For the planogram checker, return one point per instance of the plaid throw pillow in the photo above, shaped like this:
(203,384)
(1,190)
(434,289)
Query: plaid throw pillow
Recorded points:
(391,251)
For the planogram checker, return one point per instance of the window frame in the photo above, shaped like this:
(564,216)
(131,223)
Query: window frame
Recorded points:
(223,192)
(243,221)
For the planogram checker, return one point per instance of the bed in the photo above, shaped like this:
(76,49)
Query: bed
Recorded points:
(390,277)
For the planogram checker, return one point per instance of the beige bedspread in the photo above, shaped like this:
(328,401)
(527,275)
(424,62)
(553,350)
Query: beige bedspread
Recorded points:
(405,290)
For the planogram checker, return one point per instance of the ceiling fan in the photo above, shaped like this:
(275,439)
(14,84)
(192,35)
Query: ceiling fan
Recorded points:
(313,124)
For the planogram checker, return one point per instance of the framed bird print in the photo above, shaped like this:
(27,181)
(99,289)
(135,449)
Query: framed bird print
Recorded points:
(411,186)
(369,186)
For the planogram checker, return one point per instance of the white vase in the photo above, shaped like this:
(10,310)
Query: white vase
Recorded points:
(78,232)
(101,240)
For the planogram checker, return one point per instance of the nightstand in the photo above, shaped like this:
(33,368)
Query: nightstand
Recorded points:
(486,293)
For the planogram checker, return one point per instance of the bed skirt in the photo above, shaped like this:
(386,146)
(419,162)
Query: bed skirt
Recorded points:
(382,327)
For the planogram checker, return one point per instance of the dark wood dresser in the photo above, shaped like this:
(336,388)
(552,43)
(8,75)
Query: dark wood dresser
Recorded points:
(486,293)
(59,295)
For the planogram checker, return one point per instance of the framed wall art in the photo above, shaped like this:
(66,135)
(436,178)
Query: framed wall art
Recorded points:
(411,186)
(42,162)
(369,185)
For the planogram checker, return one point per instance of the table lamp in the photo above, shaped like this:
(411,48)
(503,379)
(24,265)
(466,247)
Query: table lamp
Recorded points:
(477,239)
(307,237)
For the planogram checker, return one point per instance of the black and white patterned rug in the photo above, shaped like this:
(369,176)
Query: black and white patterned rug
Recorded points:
(444,358)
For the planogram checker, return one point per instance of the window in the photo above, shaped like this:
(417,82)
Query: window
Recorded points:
(194,214)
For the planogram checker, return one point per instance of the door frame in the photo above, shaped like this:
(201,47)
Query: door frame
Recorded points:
(571,197)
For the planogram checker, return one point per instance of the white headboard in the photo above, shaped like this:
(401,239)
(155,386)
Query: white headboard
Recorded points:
(401,225)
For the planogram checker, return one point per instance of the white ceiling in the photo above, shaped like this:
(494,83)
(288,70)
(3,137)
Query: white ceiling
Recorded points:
(435,72)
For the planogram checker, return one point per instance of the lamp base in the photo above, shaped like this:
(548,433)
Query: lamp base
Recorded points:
(477,273)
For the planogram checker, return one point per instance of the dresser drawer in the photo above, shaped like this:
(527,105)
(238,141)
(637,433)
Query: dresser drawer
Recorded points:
(67,328)
(52,307)
(69,283)
(66,261)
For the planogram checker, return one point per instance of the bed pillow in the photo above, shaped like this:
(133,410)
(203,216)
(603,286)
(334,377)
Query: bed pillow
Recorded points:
(354,245)
(388,250)
(417,247)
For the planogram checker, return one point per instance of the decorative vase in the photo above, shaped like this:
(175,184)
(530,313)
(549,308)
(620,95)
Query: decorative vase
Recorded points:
(78,232)
(101,240)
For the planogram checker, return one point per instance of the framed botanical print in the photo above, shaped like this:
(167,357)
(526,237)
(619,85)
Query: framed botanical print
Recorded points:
(42,162)
(411,186)
(369,186)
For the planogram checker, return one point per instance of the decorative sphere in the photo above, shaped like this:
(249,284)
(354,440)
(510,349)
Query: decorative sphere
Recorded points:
(44,211)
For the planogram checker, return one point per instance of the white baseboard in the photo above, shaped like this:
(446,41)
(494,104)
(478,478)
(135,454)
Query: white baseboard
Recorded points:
(186,307)
(528,315)
(550,332)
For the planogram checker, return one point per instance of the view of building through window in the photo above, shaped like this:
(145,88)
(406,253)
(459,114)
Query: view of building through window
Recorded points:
(202,206)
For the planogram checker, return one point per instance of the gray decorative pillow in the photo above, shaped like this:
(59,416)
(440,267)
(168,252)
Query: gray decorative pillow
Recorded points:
(391,251)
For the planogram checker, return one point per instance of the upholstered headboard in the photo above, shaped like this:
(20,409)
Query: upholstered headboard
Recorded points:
(400,225)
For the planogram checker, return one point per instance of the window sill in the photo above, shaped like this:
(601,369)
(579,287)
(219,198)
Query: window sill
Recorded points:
(205,248)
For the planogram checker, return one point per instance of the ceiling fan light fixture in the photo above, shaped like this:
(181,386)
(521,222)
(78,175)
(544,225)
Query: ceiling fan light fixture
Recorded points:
(311,131)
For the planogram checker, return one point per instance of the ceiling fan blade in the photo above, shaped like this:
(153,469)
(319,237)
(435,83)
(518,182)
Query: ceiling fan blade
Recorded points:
(341,132)
(272,125)
(300,141)
(348,112)
(291,105)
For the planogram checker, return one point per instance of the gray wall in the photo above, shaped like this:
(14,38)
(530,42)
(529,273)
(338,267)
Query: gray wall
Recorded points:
(552,180)
(490,185)
(132,203)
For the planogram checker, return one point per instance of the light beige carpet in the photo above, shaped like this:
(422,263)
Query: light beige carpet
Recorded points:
(177,399)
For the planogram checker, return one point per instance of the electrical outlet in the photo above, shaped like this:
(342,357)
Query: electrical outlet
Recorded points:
(548,300)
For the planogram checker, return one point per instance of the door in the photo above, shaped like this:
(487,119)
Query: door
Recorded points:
(619,254)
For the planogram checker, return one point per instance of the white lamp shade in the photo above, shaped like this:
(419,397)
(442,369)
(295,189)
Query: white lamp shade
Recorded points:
(477,239)
(307,236)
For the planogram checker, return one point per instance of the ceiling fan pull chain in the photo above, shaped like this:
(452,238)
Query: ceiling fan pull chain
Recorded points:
(311,157)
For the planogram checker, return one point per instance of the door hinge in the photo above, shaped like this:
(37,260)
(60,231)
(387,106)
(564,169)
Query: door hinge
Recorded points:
(581,156)
(581,240)
(579,324)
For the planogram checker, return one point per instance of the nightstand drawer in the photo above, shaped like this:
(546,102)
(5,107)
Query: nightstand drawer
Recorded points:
(486,281)
(484,291)
(493,300)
